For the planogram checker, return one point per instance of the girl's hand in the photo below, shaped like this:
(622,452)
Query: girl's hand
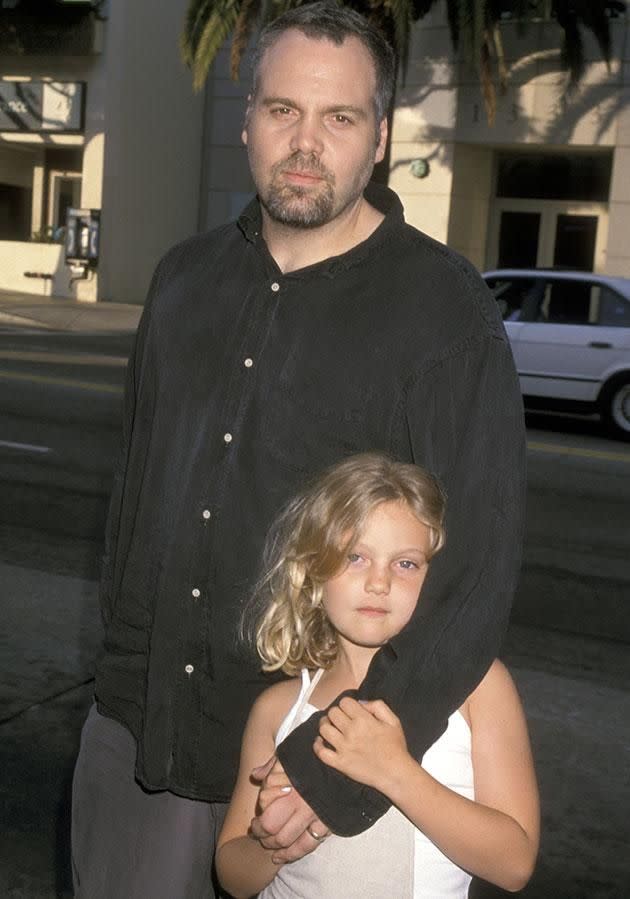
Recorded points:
(275,784)
(367,740)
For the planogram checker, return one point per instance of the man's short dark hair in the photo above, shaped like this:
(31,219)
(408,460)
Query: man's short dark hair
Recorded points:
(328,21)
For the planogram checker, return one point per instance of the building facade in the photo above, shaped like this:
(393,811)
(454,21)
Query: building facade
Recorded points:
(131,154)
(547,184)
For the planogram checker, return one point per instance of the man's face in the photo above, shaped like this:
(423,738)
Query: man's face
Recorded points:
(311,129)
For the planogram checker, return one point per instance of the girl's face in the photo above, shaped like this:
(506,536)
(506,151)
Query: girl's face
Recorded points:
(374,596)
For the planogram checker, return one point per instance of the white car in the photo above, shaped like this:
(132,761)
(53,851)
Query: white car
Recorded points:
(570,336)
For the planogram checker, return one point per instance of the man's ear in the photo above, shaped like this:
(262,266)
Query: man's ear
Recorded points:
(247,115)
(382,140)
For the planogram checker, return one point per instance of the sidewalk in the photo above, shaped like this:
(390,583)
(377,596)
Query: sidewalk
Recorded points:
(55,314)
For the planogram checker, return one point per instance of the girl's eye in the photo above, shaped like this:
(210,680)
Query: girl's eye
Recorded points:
(353,557)
(407,564)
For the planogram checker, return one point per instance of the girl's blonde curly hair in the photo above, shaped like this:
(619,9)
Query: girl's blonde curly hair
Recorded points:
(308,544)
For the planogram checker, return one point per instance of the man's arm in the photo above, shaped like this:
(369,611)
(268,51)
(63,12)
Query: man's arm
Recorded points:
(117,497)
(464,422)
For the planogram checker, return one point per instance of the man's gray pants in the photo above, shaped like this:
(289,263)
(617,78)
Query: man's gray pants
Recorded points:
(128,843)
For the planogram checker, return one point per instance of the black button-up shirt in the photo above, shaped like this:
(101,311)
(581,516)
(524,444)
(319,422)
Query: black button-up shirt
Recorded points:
(243,382)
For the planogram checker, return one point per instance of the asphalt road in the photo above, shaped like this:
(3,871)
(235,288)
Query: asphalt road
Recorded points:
(60,401)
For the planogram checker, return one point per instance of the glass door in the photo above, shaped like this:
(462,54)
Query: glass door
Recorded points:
(547,234)
(576,236)
(519,235)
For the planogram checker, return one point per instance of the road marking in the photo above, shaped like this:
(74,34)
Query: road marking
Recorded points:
(62,382)
(29,447)
(578,451)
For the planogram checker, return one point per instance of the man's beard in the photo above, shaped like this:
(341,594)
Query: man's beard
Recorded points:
(297,206)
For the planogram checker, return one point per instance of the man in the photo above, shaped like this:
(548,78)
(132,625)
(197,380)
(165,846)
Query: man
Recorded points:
(318,325)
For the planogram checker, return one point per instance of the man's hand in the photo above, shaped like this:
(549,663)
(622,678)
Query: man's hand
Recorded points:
(365,741)
(286,823)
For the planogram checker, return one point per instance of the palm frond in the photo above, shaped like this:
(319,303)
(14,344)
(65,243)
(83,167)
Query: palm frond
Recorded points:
(488,88)
(496,40)
(196,15)
(594,16)
(479,31)
(245,22)
(572,53)
(475,24)
(217,28)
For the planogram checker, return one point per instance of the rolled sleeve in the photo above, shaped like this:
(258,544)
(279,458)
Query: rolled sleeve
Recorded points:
(464,421)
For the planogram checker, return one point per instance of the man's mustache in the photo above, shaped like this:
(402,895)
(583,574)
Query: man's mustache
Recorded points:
(300,164)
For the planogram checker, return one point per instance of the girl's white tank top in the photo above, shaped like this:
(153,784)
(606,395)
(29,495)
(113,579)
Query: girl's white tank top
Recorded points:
(391,858)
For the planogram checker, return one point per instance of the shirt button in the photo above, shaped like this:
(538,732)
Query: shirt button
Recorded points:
(206,514)
(248,362)
(227,438)
(275,287)
(196,592)
(189,669)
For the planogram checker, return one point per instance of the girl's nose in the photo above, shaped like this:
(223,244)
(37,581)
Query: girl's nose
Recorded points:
(378,580)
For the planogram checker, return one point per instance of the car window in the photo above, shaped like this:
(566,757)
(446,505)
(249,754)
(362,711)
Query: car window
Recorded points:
(518,299)
(560,301)
(614,309)
(569,302)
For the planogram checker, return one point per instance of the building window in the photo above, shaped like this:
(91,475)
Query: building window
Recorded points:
(554,176)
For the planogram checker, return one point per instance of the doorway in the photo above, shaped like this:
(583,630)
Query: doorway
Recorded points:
(548,234)
(550,210)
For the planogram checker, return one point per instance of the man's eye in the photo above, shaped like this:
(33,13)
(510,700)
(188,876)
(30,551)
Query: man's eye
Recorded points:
(341,119)
(281,110)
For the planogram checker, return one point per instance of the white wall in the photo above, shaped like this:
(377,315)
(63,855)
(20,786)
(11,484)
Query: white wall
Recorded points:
(470,201)
(18,257)
(424,128)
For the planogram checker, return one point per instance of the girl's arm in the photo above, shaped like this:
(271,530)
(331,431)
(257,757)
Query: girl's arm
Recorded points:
(496,836)
(244,867)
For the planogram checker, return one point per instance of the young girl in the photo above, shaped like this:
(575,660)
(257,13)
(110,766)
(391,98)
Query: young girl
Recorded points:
(346,564)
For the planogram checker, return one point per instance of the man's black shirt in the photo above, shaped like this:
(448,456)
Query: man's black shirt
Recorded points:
(244,382)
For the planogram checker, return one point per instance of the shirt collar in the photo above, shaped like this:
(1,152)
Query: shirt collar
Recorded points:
(379,196)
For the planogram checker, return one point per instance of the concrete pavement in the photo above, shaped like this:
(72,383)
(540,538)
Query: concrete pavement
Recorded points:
(55,314)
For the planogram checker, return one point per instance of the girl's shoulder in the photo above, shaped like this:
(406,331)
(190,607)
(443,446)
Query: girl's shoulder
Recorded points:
(273,703)
(496,696)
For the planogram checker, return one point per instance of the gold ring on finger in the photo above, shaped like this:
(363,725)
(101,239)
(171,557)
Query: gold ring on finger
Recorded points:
(315,835)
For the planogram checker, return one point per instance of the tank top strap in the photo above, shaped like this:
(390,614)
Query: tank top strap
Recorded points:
(295,715)
(308,685)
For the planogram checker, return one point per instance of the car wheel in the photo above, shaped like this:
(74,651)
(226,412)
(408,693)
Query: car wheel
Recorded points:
(616,408)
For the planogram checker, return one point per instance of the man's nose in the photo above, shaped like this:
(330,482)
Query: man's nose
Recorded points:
(307,135)
(378,580)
